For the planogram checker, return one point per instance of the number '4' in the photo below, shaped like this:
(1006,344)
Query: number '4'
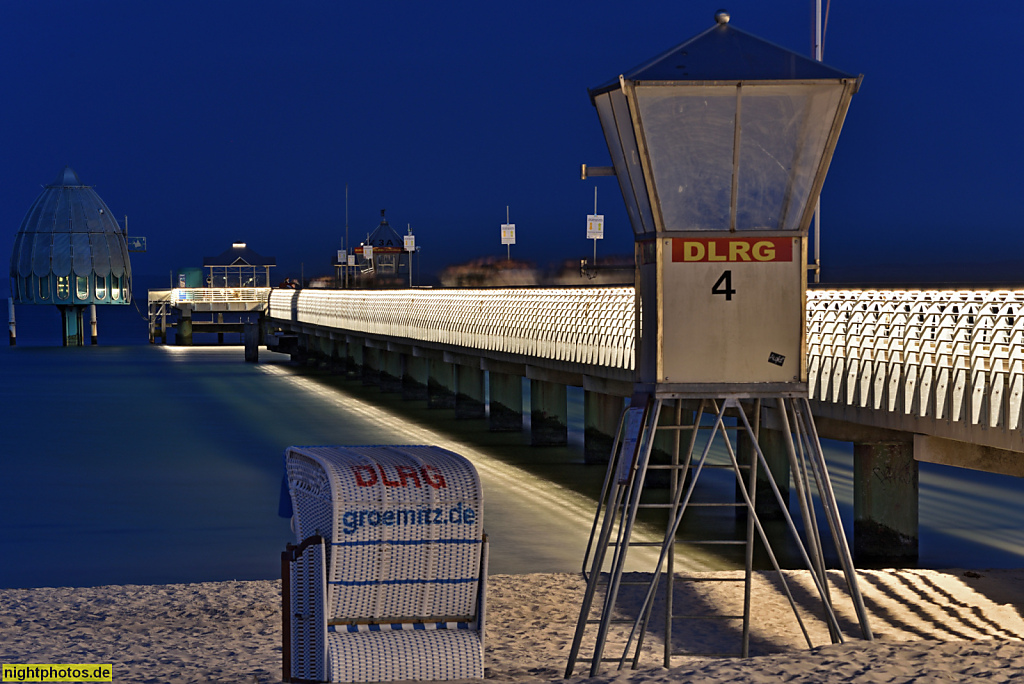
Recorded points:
(723,286)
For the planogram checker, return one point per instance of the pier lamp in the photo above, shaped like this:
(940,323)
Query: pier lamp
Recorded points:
(721,146)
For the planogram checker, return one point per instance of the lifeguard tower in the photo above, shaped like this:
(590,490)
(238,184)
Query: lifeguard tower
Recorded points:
(720,146)
(70,252)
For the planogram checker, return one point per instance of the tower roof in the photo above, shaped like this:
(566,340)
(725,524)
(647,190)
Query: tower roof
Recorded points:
(726,53)
(384,237)
(239,255)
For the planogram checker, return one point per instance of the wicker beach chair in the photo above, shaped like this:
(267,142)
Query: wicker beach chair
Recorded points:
(388,578)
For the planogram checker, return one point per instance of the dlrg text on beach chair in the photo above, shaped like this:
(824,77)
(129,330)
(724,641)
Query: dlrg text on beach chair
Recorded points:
(388,579)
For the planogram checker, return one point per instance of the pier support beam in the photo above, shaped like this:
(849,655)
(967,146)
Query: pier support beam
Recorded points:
(885,503)
(441,385)
(371,366)
(252,342)
(184,336)
(353,358)
(469,396)
(506,402)
(414,378)
(601,413)
(336,360)
(548,414)
(773,446)
(390,371)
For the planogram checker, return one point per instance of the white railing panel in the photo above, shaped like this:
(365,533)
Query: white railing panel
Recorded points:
(947,355)
(591,326)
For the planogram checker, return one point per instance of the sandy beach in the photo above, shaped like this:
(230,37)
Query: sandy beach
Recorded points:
(929,626)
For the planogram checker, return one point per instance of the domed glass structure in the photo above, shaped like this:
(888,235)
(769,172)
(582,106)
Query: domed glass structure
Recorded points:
(70,252)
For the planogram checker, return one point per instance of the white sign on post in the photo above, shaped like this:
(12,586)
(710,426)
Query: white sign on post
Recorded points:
(595,227)
(351,259)
(508,233)
(342,254)
(410,243)
(368,252)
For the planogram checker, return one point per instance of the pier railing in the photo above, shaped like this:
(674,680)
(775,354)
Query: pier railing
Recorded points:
(257,296)
(947,356)
(942,362)
(593,326)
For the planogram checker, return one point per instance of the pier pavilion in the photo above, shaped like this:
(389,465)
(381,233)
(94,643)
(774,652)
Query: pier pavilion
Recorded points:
(237,283)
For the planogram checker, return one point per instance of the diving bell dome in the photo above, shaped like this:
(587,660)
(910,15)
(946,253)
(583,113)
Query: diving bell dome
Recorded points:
(70,251)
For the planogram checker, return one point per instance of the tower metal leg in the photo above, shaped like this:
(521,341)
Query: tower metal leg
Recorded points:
(624,485)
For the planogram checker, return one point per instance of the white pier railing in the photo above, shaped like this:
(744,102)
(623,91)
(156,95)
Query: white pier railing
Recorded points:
(593,326)
(947,362)
(257,296)
(953,356)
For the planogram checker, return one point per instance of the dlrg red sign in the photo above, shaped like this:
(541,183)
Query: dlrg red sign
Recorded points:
(403,476)
(727,250)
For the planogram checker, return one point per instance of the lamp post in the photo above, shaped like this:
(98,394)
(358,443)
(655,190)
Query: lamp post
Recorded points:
(720,146)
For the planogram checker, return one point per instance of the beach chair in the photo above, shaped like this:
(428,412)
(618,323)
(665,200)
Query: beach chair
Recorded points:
(388,578)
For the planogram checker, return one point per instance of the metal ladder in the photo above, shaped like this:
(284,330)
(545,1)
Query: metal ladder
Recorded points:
(621,501)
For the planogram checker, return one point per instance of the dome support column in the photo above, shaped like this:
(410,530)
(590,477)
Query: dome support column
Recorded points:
(71,321)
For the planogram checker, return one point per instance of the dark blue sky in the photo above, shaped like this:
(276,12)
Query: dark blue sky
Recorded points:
(207,122)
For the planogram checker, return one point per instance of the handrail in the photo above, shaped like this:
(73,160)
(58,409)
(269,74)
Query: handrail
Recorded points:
(220,294)
(593,326)
(952,355)
(955,356)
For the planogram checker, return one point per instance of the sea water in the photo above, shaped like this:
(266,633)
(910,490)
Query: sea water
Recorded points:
(135,463)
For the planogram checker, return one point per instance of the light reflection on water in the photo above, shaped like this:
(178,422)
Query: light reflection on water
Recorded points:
(143,464)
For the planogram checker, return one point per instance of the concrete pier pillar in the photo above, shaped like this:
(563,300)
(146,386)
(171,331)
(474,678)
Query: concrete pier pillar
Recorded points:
(353,359)
(506,402)
(549,414)
(371,366)
(325,350)
(390,371)
(885,503)
(601,413)
(469,395)
(252,342)
(773,446)
(441,385)
(414,378)
(336,361)
(220,333)
(184,336)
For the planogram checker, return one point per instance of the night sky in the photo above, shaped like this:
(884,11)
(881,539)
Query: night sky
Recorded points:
(208,122)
